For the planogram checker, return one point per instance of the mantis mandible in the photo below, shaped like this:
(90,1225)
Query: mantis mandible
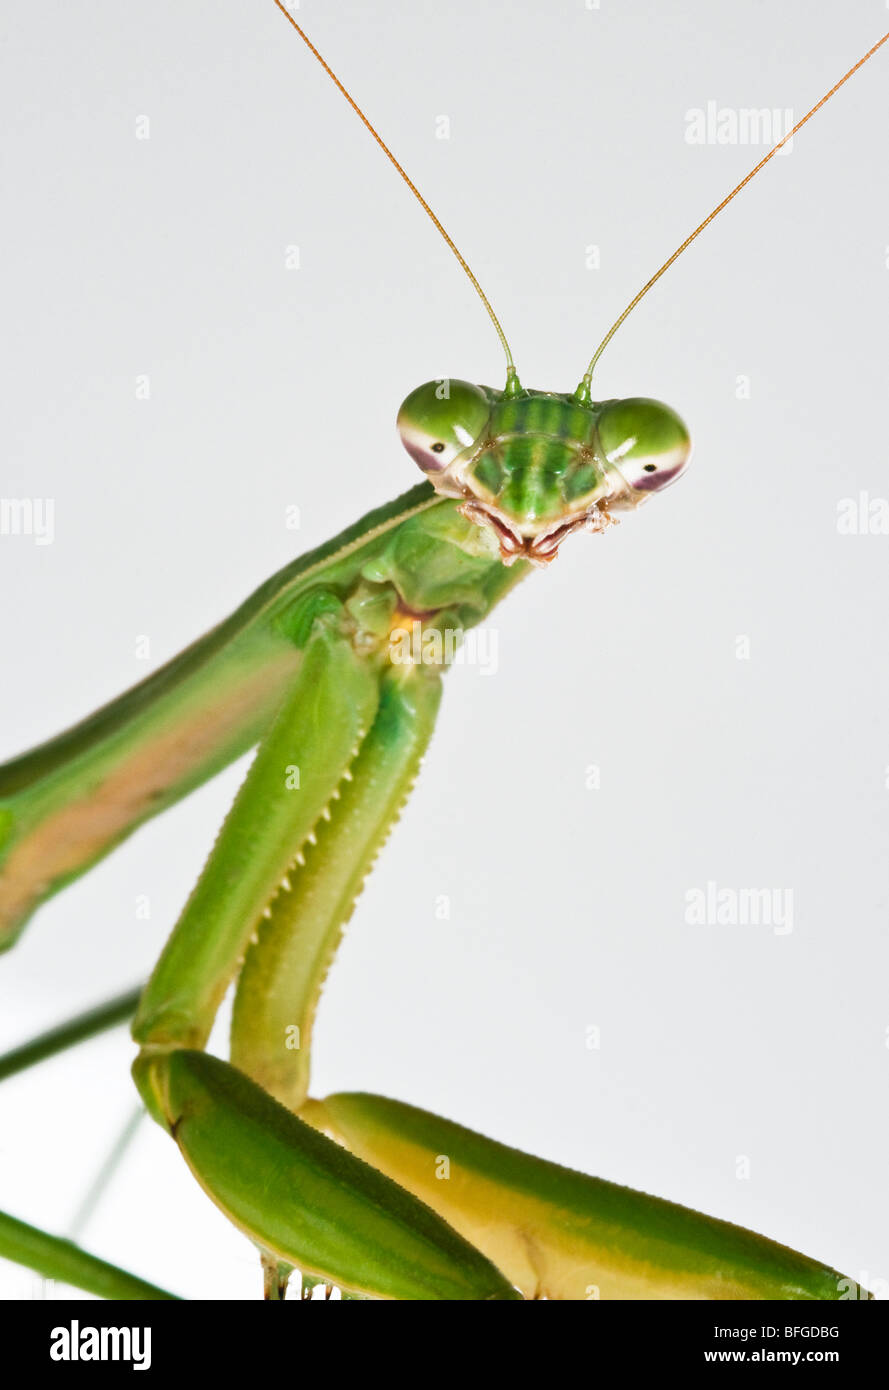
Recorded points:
(309,669)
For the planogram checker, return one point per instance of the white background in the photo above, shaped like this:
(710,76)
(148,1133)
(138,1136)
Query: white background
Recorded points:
(273,388)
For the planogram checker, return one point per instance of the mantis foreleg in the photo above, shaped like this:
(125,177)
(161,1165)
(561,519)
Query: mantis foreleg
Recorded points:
(304,1200)
(296,772)
(286,964)
(559,1234)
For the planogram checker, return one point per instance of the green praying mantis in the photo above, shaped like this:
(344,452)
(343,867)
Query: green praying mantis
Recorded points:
(349,1190)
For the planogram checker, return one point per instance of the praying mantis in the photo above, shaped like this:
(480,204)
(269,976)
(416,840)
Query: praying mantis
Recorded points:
(312,651)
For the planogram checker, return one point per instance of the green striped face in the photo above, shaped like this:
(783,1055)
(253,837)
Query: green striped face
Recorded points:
(535,465)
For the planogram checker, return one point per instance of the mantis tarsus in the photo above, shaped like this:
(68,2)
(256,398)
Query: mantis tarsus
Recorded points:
(417,560)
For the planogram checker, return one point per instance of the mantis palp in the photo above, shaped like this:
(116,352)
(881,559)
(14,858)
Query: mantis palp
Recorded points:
(422,561)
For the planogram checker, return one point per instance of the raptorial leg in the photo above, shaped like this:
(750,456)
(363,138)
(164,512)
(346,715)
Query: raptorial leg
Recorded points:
(286,964)
(301,1198)
(310,744)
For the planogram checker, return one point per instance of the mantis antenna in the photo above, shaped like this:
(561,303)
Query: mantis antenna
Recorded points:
(583,389)
(512,382)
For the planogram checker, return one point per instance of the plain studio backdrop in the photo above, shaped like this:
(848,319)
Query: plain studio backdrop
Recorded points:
(216,293)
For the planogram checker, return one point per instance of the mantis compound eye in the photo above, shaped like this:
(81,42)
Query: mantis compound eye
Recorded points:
(439,420)
(646,443)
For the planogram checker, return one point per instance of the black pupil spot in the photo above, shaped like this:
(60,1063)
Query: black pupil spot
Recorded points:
(649,468)
(438,448)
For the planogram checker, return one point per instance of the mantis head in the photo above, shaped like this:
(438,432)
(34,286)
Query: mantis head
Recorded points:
(533,466)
